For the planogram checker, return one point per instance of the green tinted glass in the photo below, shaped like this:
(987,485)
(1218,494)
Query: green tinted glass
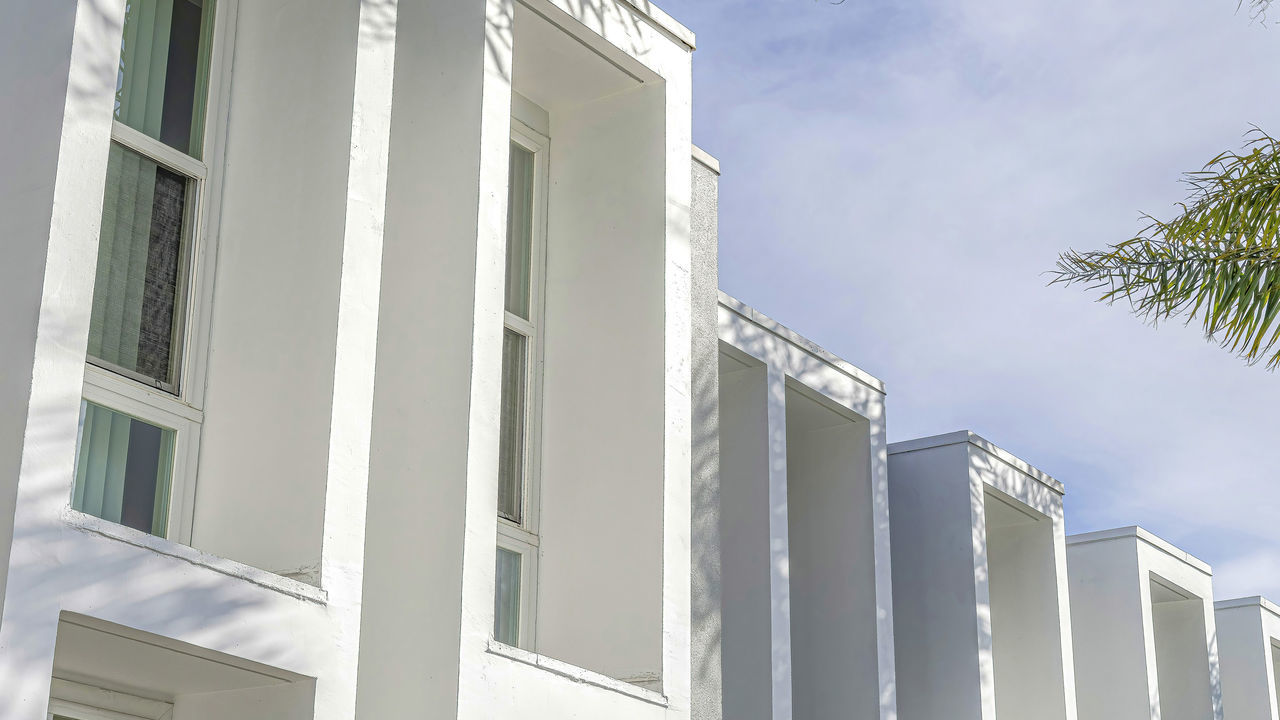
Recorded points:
(506,598)
(511,429)
(123,469)
(162,82)
(519,231)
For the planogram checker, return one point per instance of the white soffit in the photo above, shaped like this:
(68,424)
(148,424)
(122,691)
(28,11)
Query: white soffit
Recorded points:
(555,69)
(111,659)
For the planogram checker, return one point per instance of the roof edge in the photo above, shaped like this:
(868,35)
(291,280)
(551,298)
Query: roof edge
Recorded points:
(1143,535)
(1248,602)
(707,159)
(660,19)
(969,437)
(733,304)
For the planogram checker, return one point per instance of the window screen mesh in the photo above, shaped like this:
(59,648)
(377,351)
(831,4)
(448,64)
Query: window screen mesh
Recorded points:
(135,324)
(511,443)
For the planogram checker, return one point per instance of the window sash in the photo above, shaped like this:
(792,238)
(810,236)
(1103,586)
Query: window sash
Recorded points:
(517,532)
(163,410)
(183,285)
(517,541)
(521,269)
(182,163)
(69,700)
(114,465)
(538,145)
(513,445)
(162,89)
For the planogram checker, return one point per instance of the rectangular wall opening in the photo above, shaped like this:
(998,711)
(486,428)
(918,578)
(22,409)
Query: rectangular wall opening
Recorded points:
(1275,670)
(596,375)
(746,609)
(1022,583)
(834,658)
(101,666)
(264,449)
(1182,653)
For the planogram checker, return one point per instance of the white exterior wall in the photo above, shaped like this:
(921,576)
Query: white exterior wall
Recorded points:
(1248,636)
(161,599)
(300,190)
(1144,632)
(595,636)
(35,54)
(806,618)
(355,222)
(275,295)
(980,583)
(706,581)
(610,314)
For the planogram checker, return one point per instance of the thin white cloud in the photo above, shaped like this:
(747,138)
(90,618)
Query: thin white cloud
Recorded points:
(899,175)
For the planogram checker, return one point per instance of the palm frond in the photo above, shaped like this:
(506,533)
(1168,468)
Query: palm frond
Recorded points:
(1257,9)
(1218,261)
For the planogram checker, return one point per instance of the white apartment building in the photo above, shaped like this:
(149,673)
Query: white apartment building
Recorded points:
(366,359)
(349,370)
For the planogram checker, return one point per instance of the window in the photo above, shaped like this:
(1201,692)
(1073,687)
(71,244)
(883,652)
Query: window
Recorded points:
(75,701)
(517,553)
(139,419)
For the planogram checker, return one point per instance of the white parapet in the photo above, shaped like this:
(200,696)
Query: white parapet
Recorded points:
(1249,647)
(978,544)
(1144,631)
(807,613)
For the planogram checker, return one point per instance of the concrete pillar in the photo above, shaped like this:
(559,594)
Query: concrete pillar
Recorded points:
(980,586)
(807,616)
(59,562)
(707,548)
(1248,642)
(1144,631)
(67,189)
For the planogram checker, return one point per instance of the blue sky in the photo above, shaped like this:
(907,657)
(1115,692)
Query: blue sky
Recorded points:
(899,175)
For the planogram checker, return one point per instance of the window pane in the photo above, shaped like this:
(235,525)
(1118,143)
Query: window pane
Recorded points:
(161,83)
(511,439)
(123,469)
(519,231)
(135,324)
(506,598)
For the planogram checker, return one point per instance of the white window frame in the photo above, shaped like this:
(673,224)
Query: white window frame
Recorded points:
(78,701)
(141,397)
(76,711)
(522,538)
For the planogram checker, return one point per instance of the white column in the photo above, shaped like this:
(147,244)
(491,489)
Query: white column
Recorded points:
(347,487)
(29,621)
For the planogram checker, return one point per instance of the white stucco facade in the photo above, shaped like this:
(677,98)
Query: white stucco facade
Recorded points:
(716,526)
(980,583)
(1145,639)
(346,316)
(806,606)
(1248,642)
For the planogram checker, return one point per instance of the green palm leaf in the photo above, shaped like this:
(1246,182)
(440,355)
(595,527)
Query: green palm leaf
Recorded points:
(1218,261)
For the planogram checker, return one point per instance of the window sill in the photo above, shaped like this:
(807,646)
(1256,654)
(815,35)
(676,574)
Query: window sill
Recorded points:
(262,578)
(575,673)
